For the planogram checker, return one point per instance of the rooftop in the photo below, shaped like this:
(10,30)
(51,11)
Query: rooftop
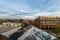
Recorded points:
(30,33)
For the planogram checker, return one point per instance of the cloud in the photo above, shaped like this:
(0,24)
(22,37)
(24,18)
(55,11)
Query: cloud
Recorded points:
(29,8)
(26,17)
(8,16)
(4,15)
(57,13)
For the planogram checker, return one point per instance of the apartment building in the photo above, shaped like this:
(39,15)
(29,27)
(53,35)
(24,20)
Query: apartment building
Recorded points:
(47,22)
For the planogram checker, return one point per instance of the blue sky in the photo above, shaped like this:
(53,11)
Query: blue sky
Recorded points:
(29,8)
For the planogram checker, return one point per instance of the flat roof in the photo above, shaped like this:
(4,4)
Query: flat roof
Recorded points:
(8,33)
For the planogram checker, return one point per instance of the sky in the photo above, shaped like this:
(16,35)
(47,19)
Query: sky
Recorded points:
(29,9)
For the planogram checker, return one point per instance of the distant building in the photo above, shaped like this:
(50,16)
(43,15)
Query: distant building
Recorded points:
(46,22)
(12,24)
(9,26)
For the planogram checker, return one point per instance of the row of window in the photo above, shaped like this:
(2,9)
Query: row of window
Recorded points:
(50,22)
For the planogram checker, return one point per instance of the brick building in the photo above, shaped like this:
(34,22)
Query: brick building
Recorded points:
(47,22)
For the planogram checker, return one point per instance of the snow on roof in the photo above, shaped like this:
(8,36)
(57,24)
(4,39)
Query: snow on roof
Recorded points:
(8,33)
(36,34)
